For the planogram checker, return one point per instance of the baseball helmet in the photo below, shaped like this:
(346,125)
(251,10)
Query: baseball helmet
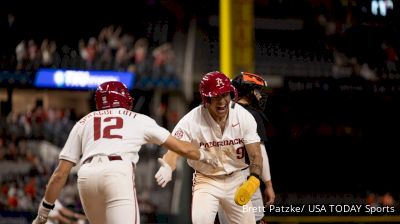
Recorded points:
(113,94)
(246,83)
(214,84)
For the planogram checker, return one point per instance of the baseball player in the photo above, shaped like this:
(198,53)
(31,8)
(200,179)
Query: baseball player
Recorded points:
(106,143)
(252,95)
(227,131)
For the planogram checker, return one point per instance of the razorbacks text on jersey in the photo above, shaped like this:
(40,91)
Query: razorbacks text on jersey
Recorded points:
(228,147)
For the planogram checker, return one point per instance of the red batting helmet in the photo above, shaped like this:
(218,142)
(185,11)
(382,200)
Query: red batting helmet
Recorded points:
(214,84)
(113,94)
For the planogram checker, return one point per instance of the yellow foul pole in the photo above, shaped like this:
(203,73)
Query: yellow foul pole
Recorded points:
(236,36)
(225,36)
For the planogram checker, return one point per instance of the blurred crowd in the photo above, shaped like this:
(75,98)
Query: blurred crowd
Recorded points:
(335,39)
(354,55)
(111,49)
(23,170)
(49,124)
(362,44)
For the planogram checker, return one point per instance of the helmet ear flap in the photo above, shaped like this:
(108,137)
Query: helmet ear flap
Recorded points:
(130,103)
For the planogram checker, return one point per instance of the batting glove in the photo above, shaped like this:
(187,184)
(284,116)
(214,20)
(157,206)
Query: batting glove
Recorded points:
(246,190)
(206,157)
(43,212)
(164,174)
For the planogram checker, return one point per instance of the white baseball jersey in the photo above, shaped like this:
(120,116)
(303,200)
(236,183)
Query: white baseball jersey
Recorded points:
(113,131)
(229,147)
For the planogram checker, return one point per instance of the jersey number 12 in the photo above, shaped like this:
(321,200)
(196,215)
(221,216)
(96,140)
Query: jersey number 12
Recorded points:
(119,123)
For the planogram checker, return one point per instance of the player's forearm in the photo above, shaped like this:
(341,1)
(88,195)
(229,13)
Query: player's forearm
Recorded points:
(182,148)
(57,181)
(192,152)
(187,150)
(171,158)
(254,152)
(256,166)
(54,187)
(268,184)
(266,172)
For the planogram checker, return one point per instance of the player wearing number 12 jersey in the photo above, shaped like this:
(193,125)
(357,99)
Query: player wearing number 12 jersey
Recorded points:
(106,144)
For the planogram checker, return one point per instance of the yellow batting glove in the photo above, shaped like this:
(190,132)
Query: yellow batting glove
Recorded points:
(246,190)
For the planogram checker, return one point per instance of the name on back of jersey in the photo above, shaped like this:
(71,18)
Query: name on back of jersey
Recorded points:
(108,112)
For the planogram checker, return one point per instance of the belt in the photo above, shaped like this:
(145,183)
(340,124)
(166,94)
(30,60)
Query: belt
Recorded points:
(110,158)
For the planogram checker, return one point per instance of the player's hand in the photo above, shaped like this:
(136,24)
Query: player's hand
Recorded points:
(42,216)
(206,157)
(246,190)
(269,194)
(164,174)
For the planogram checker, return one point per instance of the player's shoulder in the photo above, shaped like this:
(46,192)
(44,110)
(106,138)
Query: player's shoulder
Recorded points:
(194,113)
(193,116)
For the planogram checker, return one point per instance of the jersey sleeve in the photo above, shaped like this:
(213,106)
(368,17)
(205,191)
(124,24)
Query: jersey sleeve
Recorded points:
(72,149)
(182,130)
(250,134)
(154,133)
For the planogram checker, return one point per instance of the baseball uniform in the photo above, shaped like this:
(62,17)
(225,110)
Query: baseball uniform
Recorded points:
(216,186)
(106,144)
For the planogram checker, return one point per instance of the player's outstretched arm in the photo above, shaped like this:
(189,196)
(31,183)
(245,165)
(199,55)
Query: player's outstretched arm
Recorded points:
(53,189)
(171,158)
(182,148)
(189,150)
